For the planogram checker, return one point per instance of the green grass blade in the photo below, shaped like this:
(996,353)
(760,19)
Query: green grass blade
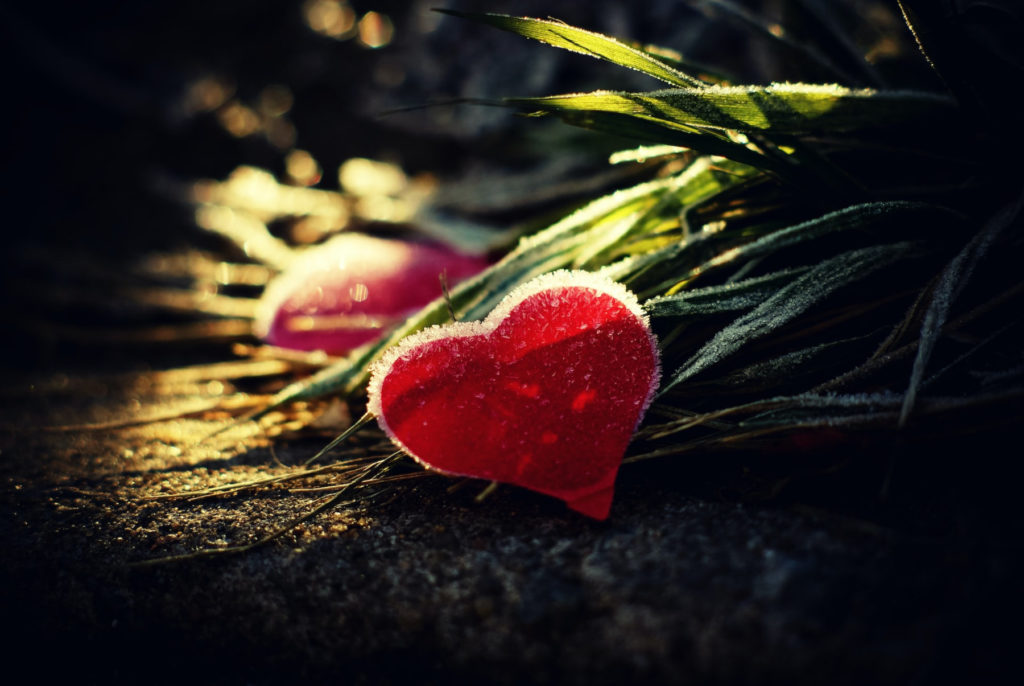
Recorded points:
(558,245)
(855,217)
(788,303)
(951,282)
(706,73)
(645,152)
(805,407)
(810,409)
(781,108)
(709,142)
(729,297)
(585,42)
(704,178)
(798,364)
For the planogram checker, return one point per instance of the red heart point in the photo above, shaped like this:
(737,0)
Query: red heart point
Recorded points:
(545,393)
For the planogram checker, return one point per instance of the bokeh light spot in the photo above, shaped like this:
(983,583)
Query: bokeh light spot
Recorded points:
(238,120)
(207,94)
(280,133)
(275,100)
(364,177)
(359,292)
(330,18)
(302,168)
(375,30)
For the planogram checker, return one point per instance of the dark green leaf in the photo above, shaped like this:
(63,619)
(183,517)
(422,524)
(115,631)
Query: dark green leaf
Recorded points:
(729,297)
(849,218)
(951,282)
(787,303)
(589,43)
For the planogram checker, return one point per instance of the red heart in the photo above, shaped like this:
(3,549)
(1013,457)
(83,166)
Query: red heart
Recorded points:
(545,393)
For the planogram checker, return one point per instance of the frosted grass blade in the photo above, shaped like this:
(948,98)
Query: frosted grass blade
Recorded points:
(709,141)
(780,108)
(788,303)
(703,179)
(865,215)
(585,42)
(951,282)
(730,297)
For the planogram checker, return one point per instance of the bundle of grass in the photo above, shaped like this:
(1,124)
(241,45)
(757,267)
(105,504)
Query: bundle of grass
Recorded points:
(824,264)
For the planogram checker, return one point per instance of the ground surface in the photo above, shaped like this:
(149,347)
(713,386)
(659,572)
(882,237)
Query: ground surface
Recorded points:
(686,581)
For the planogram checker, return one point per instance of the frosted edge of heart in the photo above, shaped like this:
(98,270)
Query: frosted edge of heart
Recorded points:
(562,278)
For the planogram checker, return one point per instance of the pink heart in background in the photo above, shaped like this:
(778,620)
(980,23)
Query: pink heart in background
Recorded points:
(545,393)
(353,288)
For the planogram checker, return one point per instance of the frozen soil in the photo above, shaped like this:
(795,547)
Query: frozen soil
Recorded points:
(701,574)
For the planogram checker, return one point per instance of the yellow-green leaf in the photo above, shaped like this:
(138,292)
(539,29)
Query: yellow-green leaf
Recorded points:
(781,108)
(589,43)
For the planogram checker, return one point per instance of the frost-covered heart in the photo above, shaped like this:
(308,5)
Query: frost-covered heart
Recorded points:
(545,393)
